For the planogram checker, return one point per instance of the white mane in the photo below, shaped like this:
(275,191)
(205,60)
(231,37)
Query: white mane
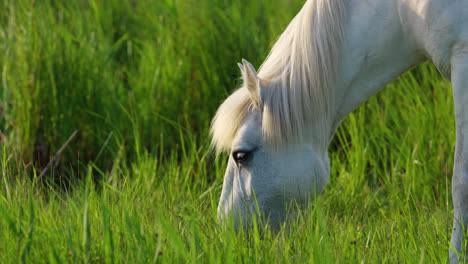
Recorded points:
(298,76)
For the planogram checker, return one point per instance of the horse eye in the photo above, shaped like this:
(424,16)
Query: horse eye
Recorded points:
(241,156)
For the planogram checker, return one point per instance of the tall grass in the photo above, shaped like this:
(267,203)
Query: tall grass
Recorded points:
(140,81)
(125,74)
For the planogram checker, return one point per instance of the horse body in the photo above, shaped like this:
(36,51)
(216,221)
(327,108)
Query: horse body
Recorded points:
(370,43)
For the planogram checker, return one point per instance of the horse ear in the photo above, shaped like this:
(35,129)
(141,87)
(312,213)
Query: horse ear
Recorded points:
(252,82)
(241,67)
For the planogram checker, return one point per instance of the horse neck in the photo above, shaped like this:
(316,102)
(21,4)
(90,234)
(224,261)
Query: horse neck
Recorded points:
(377,48)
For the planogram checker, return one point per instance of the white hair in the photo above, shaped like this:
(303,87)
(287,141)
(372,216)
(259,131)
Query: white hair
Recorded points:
(298,77)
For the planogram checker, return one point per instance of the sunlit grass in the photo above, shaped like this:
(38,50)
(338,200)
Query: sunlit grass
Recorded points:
(140,81)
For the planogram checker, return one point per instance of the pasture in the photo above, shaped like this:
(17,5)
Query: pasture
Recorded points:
(140,81)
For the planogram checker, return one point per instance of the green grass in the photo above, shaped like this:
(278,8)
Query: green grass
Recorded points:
(140,81)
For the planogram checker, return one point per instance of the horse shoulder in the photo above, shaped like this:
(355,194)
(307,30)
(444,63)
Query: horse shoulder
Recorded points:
(439,26)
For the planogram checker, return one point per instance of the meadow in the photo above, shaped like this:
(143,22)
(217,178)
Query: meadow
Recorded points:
(140,81)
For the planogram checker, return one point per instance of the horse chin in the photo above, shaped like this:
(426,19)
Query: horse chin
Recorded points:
(274,214)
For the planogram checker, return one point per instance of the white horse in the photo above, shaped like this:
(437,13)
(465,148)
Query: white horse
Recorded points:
(332,57)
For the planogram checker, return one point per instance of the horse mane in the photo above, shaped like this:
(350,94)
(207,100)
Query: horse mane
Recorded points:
(298,77)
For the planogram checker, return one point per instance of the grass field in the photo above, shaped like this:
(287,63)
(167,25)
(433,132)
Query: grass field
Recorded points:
(140,82)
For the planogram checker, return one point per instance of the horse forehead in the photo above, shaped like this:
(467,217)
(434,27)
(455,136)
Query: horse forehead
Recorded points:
(251,131)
